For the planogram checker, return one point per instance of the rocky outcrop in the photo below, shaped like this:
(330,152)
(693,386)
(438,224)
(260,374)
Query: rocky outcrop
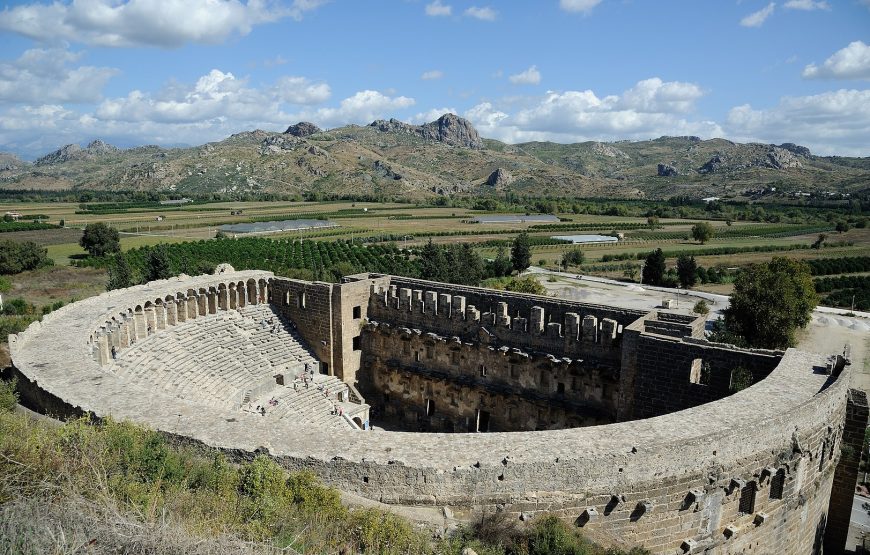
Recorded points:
(713,165)
(796,149)
(499,178)
(449,129)
(68,153)
(667,170)
(303,129)
(610,151)
(384,170)
(10,162)
(279,143)
(452,130)
(780,158)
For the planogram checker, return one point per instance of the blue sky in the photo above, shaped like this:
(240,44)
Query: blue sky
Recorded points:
(190,71)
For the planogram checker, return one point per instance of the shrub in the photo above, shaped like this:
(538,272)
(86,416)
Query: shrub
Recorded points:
(8,396)
(701,307)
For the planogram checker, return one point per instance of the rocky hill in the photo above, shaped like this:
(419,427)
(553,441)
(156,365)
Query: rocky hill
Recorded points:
(443,157)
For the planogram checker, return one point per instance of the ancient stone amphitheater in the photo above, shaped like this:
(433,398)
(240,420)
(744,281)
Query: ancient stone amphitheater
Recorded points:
(628,424)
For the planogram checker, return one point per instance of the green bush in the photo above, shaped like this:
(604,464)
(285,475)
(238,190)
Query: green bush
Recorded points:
(8,396)
(701,307)
(21,256)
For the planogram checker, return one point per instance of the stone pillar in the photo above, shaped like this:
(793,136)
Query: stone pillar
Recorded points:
(444,305)
(104,353)
(159,317)
(212,301)
(608,331)
(150,320)
(501,315)
(171,313)
(572,326)
(404,299)
(224,299)
(417,301)
(180,310)
(192,307)
(131,326)
(114,336)
(472,314)
(141,325)
(458,306)
(124,337)
(554,329)
(536,322)
(590,329)
(202,302)
(392,297)
(519,324)
(846,473)
(243,297)
(431,304)
(233,296)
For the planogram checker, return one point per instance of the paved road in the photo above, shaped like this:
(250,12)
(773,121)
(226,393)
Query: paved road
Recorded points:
(859,523)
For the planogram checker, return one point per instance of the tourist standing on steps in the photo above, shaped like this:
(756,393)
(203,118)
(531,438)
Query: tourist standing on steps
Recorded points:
(114,353)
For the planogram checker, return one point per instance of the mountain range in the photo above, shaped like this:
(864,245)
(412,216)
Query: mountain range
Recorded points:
(443,157)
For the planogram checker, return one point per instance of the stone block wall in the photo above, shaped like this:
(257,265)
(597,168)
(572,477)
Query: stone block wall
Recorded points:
(309,305)
(532,322)
(668,374)
(846,474)
(436,383)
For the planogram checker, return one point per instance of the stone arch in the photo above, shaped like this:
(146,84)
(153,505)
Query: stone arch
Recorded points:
(358,421)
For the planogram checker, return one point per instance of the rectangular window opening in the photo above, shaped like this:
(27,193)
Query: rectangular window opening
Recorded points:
(747,498)
(356,343)
(357,312)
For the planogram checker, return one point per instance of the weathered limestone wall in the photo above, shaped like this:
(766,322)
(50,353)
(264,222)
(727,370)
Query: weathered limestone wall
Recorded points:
(350,305)
(672,374)
(846,474)
(309,305)
(437,383)
(530,322)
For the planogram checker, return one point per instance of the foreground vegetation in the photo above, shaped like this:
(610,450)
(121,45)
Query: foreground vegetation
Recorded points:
(119,488)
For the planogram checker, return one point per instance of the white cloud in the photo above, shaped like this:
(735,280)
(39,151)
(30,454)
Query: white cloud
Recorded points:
(437,9)
(485,13)
(530,76)
(654,95)
(834,122)
(806,5)
(756,19)
(162,23)
(42,76)
(432,74)
(362,107)
(431,115)
(217,96)
(584,6)
(649,109)
(851,62)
